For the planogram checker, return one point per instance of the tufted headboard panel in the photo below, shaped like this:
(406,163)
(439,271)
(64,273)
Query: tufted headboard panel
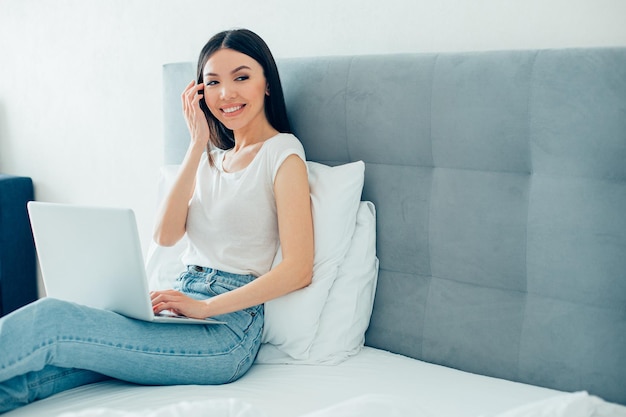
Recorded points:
(499,180)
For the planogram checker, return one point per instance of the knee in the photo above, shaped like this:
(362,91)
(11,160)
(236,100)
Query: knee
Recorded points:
(48,303)
(31,325)
(46,308)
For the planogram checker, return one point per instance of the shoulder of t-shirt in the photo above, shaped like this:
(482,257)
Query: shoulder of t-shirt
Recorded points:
(282,146)
(286,142)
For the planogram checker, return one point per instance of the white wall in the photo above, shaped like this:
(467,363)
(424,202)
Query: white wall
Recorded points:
(80,80)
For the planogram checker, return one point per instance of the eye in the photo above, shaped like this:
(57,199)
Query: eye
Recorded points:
(211,82)
(242,78)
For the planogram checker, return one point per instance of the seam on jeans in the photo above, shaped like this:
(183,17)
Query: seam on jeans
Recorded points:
(156,352)
(51,378)
(248,357)
(43,346)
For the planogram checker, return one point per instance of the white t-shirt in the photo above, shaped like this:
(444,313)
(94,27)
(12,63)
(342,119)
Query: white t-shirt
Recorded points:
(232,223)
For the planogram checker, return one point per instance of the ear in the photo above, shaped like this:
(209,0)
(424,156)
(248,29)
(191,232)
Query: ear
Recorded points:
(267,90)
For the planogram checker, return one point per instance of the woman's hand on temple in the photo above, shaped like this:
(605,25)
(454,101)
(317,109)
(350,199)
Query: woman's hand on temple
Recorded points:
(194,116)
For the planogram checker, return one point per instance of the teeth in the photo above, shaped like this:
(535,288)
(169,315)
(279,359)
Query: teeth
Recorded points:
(231,109)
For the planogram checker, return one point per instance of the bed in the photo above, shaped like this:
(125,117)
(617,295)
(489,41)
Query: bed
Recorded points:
(477,264)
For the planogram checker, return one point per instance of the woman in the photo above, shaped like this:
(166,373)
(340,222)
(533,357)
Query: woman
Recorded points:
(242,189)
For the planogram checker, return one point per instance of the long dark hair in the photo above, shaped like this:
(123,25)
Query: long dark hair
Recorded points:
(251,44)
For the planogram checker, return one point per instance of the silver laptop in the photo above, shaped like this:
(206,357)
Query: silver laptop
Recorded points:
(92,256)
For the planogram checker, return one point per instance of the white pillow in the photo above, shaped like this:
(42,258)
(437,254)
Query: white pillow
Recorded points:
(346,314)
(291,321)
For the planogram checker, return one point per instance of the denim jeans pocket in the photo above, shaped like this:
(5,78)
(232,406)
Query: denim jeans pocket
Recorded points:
(195,284)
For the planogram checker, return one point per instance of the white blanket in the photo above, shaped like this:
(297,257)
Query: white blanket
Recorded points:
(578,404)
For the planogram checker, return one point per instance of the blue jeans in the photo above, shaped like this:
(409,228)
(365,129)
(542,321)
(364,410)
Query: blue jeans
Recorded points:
(50,345)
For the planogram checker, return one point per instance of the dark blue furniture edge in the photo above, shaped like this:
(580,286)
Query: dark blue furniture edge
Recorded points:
(18,267)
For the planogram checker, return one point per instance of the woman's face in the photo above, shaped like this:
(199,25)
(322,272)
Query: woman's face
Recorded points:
(235,89)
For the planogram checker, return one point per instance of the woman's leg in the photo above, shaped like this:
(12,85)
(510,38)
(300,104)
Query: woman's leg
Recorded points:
(43,345)
(33,386)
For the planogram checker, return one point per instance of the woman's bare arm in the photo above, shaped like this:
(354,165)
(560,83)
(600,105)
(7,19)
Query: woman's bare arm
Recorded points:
(172,215)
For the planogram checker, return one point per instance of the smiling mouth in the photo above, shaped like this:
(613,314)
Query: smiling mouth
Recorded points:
(232,110)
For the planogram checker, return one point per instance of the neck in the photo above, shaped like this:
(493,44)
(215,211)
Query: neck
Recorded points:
(247,137)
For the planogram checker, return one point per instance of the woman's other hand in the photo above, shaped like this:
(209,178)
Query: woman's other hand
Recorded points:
(178,303)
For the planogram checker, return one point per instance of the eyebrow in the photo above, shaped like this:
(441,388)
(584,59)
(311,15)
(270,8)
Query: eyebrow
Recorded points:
(239,68)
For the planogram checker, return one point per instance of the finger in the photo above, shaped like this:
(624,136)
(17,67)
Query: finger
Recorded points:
(188,92)
(159,308)
(195,102)
(194,98)
(154,295)
(162,304)
(187,88)
(192,90)
(172,307)
(161,296)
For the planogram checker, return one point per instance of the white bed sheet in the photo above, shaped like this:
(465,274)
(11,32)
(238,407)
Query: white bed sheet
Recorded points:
(295,390)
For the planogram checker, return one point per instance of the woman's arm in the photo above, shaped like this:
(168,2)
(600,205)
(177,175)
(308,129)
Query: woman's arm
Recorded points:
(295,224)
(172,216)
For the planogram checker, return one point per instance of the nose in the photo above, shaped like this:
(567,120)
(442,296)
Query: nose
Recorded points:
(227,91)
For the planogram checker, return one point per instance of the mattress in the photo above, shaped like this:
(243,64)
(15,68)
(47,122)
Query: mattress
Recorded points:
(295,390)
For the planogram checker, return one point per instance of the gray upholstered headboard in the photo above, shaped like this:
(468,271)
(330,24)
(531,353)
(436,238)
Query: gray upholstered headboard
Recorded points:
(500,185)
